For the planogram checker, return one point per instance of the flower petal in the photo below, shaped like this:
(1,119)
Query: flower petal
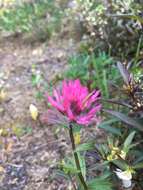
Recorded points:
(55,104)
(76,103)
(124,175)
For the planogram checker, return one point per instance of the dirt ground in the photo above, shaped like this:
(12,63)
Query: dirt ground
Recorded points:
(27,162)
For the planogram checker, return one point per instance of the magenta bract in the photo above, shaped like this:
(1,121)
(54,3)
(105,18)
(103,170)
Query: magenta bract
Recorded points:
(75,102)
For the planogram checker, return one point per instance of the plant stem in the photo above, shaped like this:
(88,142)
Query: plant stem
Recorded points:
(77,162)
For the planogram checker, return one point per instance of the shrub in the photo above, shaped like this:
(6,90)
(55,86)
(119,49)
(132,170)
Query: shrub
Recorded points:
(41,18)
(95,71)
(112,25)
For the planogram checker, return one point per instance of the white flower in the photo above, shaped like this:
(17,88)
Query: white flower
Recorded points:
(125,176)
(33,111)
(73,4)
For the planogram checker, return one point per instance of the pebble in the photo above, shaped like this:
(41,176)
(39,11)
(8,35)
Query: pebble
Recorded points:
(15,178)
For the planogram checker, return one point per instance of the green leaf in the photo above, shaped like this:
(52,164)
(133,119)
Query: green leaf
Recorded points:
(99,184)
(62,174)
(28,130)
(85,147)
(106,126)
(82,165)
(76,128)
(121,164)
(128,141)
(126,119)
(100,166)
(108,122)
(103,149)
(106,174)
(110,129)
(69,168)
(136,18)
(139,159)
(36,79)
(110,141)
(39,95)
(138,166)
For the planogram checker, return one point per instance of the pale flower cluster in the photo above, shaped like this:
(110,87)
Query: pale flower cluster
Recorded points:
(93,16)
(96,15)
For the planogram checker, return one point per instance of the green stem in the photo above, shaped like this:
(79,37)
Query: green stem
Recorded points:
(82,180)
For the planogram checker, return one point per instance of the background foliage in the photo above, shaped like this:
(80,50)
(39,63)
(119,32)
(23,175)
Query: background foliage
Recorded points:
(40,18)
(108,57)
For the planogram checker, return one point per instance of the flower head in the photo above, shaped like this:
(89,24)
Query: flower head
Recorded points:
(76,103)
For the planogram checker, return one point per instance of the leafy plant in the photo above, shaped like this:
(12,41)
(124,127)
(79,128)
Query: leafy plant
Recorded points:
(94,71)
(123,156)
(131,99)
(74,107)
(129,114)
(113,26)
(41,18)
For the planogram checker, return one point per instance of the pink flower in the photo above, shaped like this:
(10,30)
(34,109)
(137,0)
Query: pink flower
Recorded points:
(76,103)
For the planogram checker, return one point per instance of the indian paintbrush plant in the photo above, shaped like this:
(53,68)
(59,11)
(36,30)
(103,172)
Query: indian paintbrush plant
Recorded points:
(78,107)
(119,157)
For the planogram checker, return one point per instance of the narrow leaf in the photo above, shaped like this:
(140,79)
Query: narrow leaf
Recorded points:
(138,166)
(110,129)
(121,164)
(82,165)
(99,184)
(126,119)
(128,141)
(62,174)
(85,147)
(100,166)
(123,72)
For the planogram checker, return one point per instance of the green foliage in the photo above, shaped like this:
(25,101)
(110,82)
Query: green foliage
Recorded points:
(121,155)
(85,147)
(82,165)
(131,100)
(36,79)
(114,26)
(128,141)
(117,28)
(94,71)
(41,17)
(79,65)
(120,164)
(108,126)
(19,131)
(69,167)
(128,120)
(100,184)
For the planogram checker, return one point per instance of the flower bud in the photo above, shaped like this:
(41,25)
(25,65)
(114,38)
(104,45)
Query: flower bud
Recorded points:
(33,111)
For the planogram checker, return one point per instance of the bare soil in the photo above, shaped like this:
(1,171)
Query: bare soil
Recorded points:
(28,161)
